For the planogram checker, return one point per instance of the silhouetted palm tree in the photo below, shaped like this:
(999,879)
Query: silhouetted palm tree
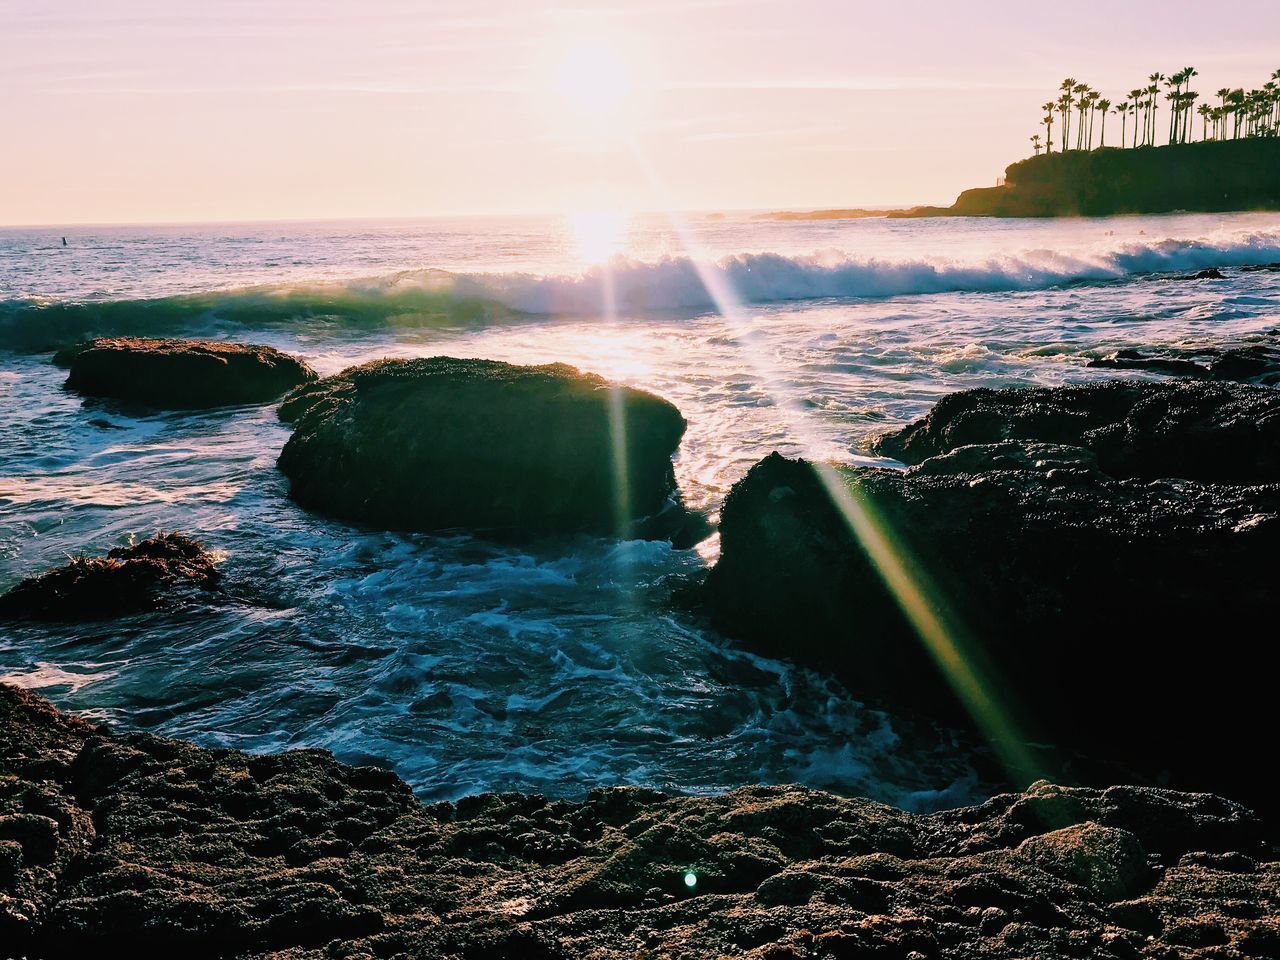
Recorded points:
(1205,112)
(1035,142)
(1103,105)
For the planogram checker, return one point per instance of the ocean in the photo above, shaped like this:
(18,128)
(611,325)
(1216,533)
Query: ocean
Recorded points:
(562,665)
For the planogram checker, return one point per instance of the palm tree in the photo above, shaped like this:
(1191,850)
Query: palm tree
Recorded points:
(1122,110)
(1048,129)
(1153,91)
(1081,90)
(1103,105)
(1205,112)
(1189,98)
(1135,96)
(1035,142)
(1187,74)
(1064,107)
(1236,106)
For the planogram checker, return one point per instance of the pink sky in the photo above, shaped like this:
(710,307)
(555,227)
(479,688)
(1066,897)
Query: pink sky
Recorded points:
(166,110)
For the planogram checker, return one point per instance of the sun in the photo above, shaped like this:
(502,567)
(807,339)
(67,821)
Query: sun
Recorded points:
(592,78)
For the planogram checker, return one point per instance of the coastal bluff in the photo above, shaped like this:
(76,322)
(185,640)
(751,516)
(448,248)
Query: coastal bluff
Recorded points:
(1210,177)
(109,838)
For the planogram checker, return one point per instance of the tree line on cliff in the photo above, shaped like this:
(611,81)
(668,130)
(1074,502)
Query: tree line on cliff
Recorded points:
(1081,110)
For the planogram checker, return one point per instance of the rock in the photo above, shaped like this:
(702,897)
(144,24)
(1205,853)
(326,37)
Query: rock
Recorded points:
(181,374)
(509,450)
(1257,363)
(1109,861)
(1212,273)
(1081,602)
(176,849)
(145,576)
(1213,432)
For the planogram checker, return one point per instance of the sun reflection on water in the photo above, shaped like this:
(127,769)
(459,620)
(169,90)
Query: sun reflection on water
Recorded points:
(596,236)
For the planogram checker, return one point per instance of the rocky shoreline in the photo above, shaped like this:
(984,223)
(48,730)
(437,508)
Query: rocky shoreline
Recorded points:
(1088,566)
(109,839)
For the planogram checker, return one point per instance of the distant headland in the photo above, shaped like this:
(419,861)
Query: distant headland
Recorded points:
(1233,165)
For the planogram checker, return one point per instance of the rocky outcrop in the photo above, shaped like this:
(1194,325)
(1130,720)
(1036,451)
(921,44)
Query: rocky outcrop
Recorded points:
(1214,175)
(508,450)
(1256,363)
(109,839)
(181,374)
(1213,432)
(1081,604)
(144,576)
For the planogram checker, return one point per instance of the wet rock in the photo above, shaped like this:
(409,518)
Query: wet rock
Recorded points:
(184,850)
(181,374)
(1211,273)
(145,576)
(1079,602)
(509,450)
(1255,363)
(1214,432)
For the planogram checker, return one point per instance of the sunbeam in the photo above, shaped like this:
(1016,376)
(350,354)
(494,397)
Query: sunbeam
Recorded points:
(925,609)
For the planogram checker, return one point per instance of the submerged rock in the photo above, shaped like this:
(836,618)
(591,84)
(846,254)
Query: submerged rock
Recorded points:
(181,374)
(173,849)
(144,576)
(1256,363)
(1082,602)
(1214,432)
(438,443)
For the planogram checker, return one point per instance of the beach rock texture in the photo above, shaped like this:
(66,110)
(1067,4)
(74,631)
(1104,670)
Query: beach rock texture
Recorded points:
(1213,432)
(144,576)
(110,839)
(1256,363)
(181,374)
(1125,619)
(509,450)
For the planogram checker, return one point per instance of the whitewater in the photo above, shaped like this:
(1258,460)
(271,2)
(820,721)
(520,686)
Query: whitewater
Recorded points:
(557,666)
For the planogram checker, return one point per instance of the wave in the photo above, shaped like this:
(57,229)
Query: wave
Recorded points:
(674,284)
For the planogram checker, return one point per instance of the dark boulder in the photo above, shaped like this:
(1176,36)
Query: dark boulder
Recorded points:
(1126,619)
(510,450)
(181,374)
(1257,363)
(1214,432)
(110,838)
(145,576)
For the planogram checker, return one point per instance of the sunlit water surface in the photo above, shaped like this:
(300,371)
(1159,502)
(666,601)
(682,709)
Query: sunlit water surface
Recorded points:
(561,666)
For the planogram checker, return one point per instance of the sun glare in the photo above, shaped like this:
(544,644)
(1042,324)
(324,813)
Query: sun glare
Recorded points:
(592,78)
(595,236)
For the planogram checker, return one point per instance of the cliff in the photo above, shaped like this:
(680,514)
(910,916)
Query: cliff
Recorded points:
(1208,177)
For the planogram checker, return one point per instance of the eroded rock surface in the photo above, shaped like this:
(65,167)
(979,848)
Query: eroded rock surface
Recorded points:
(108,839)
(181,374)
(1214,432)
(144,576)
(1126,618)
(1256,362)
(509,450)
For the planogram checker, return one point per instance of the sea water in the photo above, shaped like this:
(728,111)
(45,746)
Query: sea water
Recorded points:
(562,665)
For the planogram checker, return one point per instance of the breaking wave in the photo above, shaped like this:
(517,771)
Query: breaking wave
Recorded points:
(674,284)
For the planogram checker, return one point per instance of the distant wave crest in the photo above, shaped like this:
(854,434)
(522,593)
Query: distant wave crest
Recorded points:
(675,284)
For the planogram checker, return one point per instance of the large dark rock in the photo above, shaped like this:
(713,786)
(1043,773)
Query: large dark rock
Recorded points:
(181,374)
(1256,363)
(1126,619)
(1215,432)
(511,450)
(176,850)
(144,576)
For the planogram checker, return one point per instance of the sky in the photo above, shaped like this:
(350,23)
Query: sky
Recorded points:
(120,111)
